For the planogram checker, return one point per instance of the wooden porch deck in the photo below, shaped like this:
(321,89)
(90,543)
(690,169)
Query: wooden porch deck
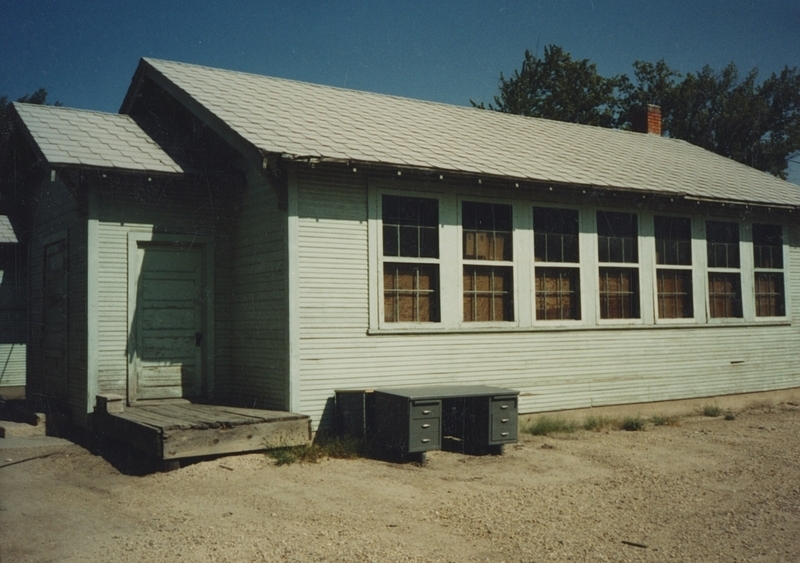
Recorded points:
(174,430)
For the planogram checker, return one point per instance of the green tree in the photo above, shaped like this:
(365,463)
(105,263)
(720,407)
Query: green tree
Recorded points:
(756,123)
(561,88)
(38,97)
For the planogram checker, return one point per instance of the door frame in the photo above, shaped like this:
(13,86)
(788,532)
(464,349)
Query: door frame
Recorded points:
(135,241)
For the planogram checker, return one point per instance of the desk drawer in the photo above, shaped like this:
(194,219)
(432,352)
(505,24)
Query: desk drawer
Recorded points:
(424,435)
(426,409)
(503,420)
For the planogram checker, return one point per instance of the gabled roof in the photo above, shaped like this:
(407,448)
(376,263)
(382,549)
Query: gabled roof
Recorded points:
(300,120)
(73,137)
(7,231)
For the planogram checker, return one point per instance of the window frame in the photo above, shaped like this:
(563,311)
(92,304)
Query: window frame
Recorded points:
(383,260)
(691,268)
(578,267)
(744,253)
(450,199)
(599,266)
(782,271)
(512,264)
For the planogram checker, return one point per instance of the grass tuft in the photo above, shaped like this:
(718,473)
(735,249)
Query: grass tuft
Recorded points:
(331,448)
(730,415)
(546,425)
(662,420)
(711,410)
(599,423)
(632,423)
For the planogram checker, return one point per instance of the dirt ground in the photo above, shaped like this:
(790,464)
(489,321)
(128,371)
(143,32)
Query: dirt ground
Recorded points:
(707,490)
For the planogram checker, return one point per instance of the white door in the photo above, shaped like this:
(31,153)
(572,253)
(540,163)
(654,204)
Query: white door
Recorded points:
(168,322)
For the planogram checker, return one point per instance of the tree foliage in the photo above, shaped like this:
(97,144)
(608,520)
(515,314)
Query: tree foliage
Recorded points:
(561,88)
(750,121)
(38,97)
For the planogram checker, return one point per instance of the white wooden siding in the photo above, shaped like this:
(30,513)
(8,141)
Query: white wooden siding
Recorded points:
(145,208)
(13,322)
(258,293)
(553,369)
(58,218)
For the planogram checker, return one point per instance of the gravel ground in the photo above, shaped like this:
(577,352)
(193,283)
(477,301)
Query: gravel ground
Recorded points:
(707,490)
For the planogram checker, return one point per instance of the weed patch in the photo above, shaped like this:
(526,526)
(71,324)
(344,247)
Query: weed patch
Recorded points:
(333,448)
(599,423)
(632,424)
(661,420)
(711,410)
(545,425)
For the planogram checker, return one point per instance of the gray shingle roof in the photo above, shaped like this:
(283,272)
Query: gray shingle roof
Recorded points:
(68,136)
(6,231)
(306,120)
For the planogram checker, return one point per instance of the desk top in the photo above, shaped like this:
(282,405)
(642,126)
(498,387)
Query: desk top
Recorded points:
(447,391)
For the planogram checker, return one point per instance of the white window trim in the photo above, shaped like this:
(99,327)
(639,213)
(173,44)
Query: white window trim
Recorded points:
(377,316)
(451,265)
(692,268)
(784,271)
(744,248)
(580,265)
(516,240)
(643,308)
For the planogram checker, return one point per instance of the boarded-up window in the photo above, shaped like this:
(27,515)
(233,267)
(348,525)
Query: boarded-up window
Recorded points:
(673,237)
(619,293)
(557,257)
(410,293)
(768,262)
(725,295)
(618,243)
(724,277)
(558,294)
(411,253)
(487,231)
(488,292)
(674,294)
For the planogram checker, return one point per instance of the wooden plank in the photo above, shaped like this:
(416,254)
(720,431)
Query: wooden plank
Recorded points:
(261,414)
(245,438)
(146,416)
(142,437)
(205,416)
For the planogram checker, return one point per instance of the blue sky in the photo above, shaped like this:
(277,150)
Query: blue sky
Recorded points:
(84,52)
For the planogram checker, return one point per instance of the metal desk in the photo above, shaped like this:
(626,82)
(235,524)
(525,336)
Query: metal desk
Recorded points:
(409,421)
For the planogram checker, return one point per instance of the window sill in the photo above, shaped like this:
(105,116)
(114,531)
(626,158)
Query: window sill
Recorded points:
(418,331)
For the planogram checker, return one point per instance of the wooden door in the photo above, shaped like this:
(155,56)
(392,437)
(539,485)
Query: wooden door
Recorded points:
(169,322)
(54,326)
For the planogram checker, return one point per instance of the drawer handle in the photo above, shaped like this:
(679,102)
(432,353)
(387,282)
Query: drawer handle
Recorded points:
(503,420)
(425,440)
(504,434)
(426,425)
(504,407)
(426,412)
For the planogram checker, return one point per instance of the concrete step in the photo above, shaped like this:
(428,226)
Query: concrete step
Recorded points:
(20,429)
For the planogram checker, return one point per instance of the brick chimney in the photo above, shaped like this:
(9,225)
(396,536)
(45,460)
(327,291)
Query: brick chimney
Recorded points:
(647,119)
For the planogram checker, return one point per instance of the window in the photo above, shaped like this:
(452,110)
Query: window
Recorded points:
(410,265)
(618,254)
(768,264)
(488,286)
(724,276)
(673,236)
(557,270)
